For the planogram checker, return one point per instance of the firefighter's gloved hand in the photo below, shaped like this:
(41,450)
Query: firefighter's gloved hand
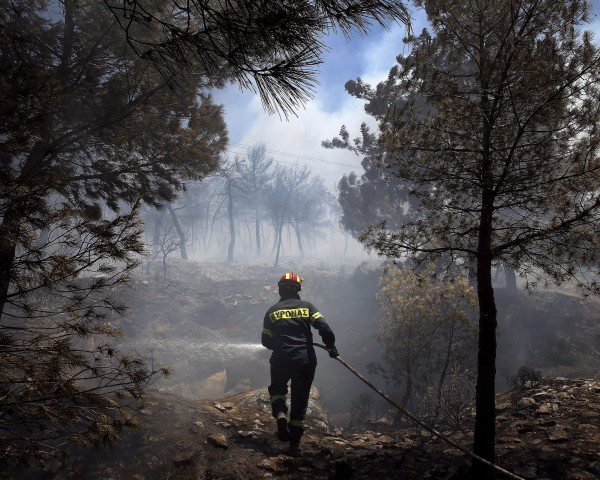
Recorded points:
(333,352)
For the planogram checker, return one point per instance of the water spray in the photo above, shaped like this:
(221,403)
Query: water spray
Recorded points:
(421,423)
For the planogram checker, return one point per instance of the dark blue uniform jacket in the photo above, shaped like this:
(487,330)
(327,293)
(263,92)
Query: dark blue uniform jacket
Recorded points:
(287,331)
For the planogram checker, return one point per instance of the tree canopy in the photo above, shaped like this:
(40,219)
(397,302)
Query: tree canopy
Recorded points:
(269,46)
(89,131)
(494,124)
(88,124)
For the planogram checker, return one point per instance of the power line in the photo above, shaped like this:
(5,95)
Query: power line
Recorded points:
(298,156)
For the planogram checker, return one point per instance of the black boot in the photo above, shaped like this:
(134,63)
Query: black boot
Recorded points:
(282,427)
(295,448)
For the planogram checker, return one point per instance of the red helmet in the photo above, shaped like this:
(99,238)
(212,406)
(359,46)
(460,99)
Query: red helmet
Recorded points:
(291,279)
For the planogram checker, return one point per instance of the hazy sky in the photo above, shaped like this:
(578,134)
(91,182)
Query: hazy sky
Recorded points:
(297,140)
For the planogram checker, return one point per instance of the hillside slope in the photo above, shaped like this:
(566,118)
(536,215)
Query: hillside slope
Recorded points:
(551,431)
(204,320)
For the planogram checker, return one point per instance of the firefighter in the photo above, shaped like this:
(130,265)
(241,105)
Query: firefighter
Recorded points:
(287,332)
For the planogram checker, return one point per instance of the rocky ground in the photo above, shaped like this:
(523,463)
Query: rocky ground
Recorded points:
(548,432)
(211,419)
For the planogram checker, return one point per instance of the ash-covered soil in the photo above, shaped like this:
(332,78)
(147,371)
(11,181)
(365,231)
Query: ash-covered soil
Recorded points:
(211,418)
(551,431)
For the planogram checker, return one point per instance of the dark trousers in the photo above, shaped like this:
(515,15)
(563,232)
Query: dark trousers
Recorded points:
(301,377)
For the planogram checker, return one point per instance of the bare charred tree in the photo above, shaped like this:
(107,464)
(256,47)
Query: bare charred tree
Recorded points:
(201,208)
(310,208)
(230,215)
(179,230)
(278,205)
(231,178)
(255,172)
(285,199)
(168,241)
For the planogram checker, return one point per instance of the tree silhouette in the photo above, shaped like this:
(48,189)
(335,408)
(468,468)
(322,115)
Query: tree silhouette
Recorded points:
(495,126)
(88,132)
(267,46)
(255,172)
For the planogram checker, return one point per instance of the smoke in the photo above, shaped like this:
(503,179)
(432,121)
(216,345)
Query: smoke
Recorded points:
(204,320)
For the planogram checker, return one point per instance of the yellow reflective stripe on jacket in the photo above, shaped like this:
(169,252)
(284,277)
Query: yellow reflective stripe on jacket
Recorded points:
(315,316)
(302,312)
(296,423)
(267,332)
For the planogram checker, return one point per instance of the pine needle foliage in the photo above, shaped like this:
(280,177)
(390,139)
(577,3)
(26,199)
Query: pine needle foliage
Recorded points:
(89,132)
(272,47)
(492,122)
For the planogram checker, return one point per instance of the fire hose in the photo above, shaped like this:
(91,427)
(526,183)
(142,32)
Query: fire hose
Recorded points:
(421,423)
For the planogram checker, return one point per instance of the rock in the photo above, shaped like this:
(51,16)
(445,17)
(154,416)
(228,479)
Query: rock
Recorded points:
(384,439)
(558,434)
(219,407)
(182,459)
(526,402)
(223,424)
(321,424)
(218,440)
(213,387)
(545,409)
(383,421)
(266,465)
(539,395)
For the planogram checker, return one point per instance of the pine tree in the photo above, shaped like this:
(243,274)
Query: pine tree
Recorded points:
(494,124)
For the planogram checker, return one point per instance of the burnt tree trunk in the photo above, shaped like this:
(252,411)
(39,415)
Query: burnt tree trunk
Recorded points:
(299,240)
(485,420)
(279,239)
(511,278)
(9,228)
(257,231)
(179,230)
(231,245)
